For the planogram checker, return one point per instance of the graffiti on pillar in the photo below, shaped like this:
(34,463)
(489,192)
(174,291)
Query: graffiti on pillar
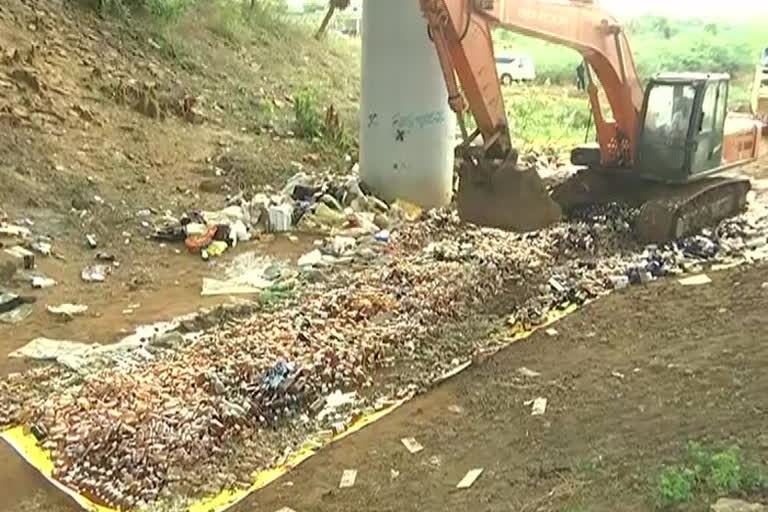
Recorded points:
(373,120)
(404,124)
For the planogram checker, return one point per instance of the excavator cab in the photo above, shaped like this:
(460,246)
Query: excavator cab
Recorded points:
(682,127)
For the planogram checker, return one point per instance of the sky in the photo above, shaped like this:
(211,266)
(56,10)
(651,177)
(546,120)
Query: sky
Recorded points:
(684,8)
(720,8)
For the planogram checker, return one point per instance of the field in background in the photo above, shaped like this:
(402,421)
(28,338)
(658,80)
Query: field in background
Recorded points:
(551,118)
(664,44)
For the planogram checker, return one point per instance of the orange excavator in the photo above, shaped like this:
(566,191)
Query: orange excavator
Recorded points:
(663,149)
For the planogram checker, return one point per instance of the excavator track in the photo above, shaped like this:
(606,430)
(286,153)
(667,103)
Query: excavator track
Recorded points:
(691,208)
(666,212)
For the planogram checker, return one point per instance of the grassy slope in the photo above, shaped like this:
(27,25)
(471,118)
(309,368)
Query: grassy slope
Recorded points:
(244,70)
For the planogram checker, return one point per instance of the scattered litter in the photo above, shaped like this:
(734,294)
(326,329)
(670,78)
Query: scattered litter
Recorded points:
(695,280)
(552,332)
(382,236)
(618,375)
(9,301)
(764,286)
(214,249)
(16,231)
(410,211)
(95,273)
(18,315)
(286,509)
(525,372)
(68,310)
(42,245)
(327,217)
(469,479)
(311,259)
(556,285)
(394,474)
(348,478)
(280,218)
(46,349)
(334,401)
(18,251)
(42,282)
(247,274)
(92,242)
(620,282)
(456,409)
(198,242)
(538,406)
(105,256)
(343,244)
(412,444)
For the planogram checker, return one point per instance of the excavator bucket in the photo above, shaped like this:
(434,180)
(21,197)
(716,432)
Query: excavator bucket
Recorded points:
(498,194)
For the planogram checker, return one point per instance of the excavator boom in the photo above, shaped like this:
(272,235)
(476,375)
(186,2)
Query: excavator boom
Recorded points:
(462,33)
(494,191)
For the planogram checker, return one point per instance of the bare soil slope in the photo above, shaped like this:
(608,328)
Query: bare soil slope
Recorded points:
(102,118)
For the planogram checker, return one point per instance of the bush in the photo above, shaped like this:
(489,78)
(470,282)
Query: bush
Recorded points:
(675,486)
(309,116)
(713,474)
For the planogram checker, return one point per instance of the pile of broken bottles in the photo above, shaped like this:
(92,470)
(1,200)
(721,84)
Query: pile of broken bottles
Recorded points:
(131,435)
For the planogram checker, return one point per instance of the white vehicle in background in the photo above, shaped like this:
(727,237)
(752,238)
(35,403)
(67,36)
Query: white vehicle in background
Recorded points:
(515,68)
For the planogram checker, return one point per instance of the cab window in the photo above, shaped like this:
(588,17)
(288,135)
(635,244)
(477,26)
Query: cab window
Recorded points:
(669,110)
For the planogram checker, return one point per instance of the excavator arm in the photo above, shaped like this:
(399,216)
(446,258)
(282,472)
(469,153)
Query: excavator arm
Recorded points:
(462,33)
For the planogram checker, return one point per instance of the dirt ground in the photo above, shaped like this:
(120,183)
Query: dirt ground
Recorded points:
(73,140)
(629,380)
(80,155)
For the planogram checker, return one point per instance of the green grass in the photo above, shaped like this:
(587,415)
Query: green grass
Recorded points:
(660,44)
(310,122)
(707,473)
(553,118)
(309,116)
(676,485)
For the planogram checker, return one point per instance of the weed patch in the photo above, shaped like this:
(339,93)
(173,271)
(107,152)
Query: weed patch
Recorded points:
(707,473)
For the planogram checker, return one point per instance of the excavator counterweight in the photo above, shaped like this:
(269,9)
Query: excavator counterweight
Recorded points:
(658,151)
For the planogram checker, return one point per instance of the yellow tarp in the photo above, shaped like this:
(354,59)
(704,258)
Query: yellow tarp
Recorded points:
(27,446)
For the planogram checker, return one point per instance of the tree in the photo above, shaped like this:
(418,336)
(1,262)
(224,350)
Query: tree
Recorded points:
(332,6)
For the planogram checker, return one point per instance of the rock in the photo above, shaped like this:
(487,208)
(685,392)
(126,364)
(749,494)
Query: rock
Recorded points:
(382,221)
(26,77)
(167,340)
(731,505)
(212,185)
(310,259)
(8,266)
